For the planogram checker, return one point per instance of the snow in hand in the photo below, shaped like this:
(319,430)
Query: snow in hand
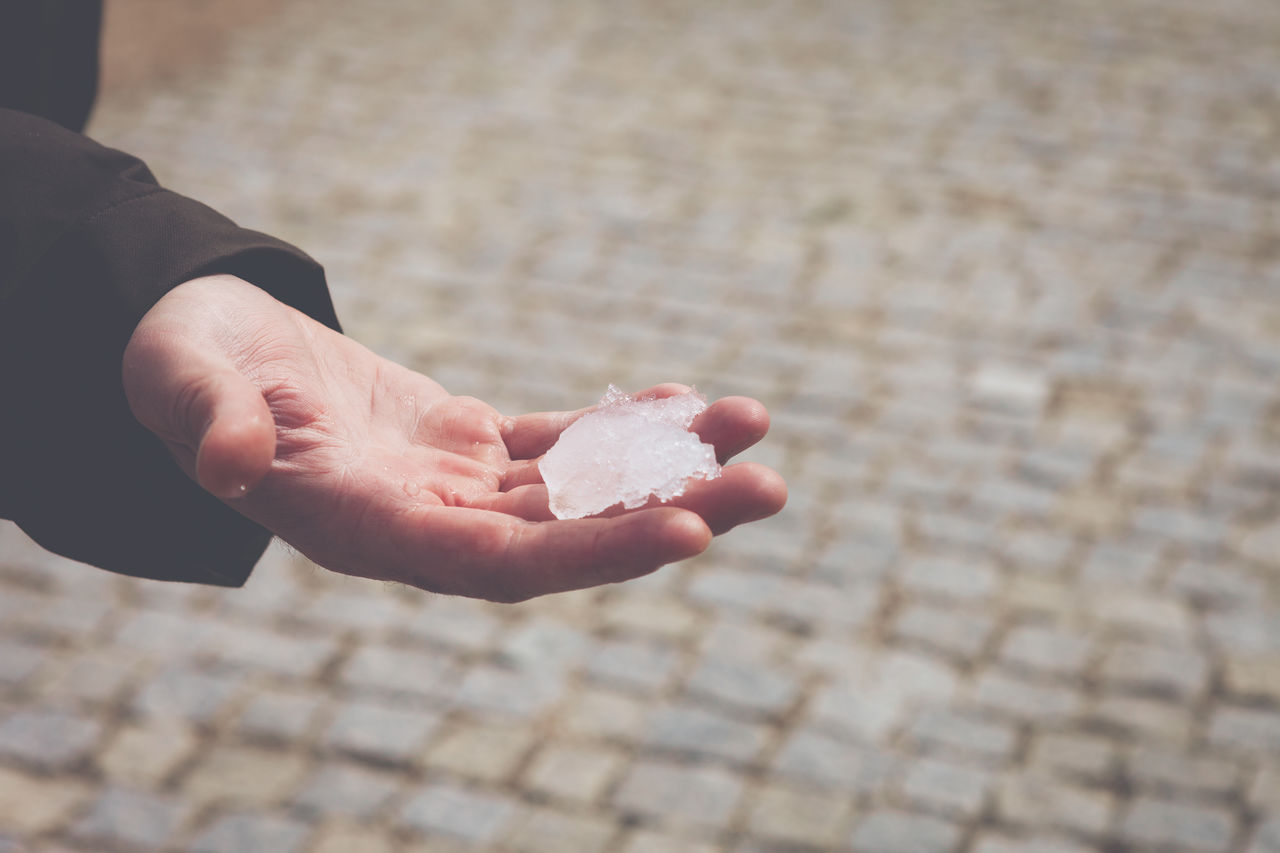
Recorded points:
(626,451)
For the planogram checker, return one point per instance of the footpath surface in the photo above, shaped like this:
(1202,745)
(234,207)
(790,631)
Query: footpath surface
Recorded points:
(1007,275)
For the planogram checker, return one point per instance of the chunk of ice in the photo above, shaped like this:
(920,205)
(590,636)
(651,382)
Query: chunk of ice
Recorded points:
(627,451)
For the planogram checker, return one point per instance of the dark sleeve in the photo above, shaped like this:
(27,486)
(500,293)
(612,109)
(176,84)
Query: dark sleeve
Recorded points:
(88,243)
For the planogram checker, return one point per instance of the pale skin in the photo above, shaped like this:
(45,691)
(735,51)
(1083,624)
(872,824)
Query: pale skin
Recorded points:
(371,469)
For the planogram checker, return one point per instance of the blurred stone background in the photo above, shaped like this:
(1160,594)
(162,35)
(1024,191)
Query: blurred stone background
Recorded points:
(1008,276)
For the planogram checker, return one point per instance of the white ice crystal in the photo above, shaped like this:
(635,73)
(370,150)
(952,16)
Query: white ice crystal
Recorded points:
(627,451)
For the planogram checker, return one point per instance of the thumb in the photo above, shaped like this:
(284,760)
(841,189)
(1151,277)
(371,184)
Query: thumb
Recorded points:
(238,443)
(212,417)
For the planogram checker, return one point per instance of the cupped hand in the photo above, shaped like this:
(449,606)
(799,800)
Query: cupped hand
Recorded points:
(371,469)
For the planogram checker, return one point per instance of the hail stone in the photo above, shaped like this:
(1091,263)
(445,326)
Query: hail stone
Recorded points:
(626,451)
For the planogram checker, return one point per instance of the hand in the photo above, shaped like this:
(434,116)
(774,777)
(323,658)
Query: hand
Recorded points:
(371,469)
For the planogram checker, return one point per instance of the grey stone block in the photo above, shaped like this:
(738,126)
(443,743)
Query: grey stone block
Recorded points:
(372,730)
(702,733)
(888,831)
(1177,824)
(132,819)
(447,810)
(48,738)
(819,759)
(347,789)
(645,666)
(703,796)
(241,831)
(747,687)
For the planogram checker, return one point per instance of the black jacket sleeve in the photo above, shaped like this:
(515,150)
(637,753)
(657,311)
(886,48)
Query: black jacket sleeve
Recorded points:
(88,243)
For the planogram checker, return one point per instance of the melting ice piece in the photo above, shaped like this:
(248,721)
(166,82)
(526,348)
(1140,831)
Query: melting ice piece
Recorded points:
(627,451)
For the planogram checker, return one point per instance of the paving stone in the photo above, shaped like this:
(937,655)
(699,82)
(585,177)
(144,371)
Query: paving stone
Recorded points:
(457,626)
(1266,838)
(19,662)
(94,676)
(1151,718)
(462,813)
(1245,729)
(370,730)
(572,771)
(30,805)
(171,635)
(643,614)
(1181,671)
(347,789)
(1266,786)
(598,713)
(734,638)
(1046,650)
(743,687)
(1040,802)
(820,760)
(244,776)
(545,646)
(948,787)
(1037,552)
(342,838)
(274,651)
(699,732)
(804,604)
(49,739)
(1254,676)
(1073,753)
(735,589)
(1245,630)
(947,530)
(504,692)
(944,630)
(338,609)
(934,728)
(857,555)
(866,703)
(1142,613)
(1185,527)
(1216,584)
(251,831)
(1017,697)
(886,831)
(704,796)
(144,755)
(544,829)
(988,843)
(948,578)
(1165,770)
(798,816)
(1153,821)
(129,818)
(488,752)
(1015,498)
(1261,545)
(285,715)
(192,694)
(1120,564)
(382,668)
(649,841)
(637,665)
(67,616)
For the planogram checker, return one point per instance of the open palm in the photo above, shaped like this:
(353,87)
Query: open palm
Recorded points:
(371,469)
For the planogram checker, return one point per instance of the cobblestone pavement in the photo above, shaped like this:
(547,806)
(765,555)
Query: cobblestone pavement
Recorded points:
(1008,276)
